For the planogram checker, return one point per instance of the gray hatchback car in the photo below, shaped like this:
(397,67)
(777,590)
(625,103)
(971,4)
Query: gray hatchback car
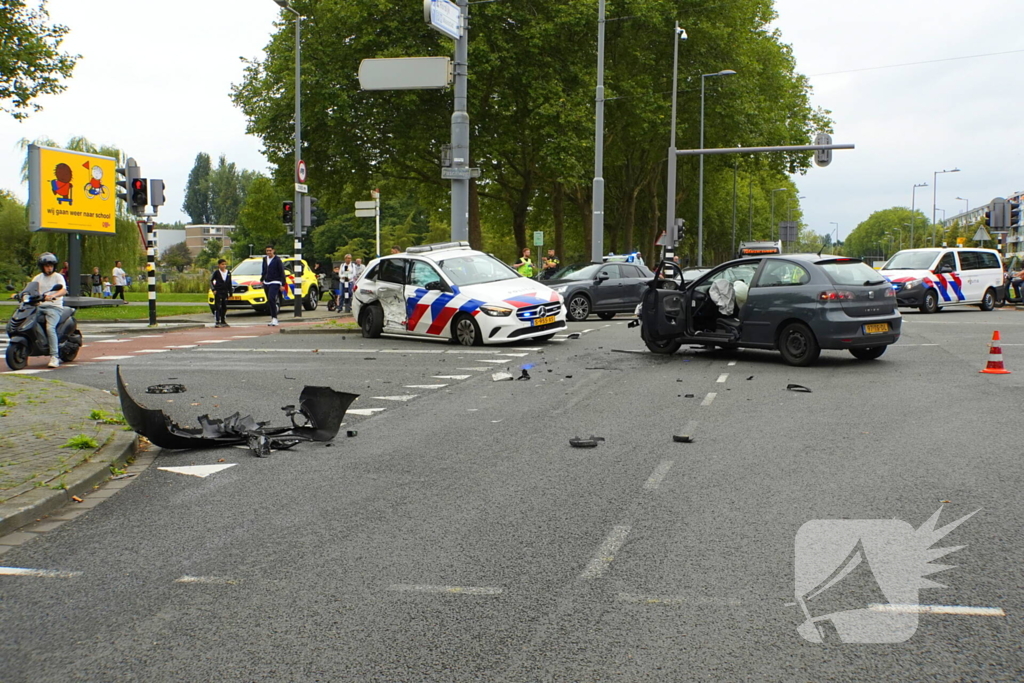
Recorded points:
(798,304)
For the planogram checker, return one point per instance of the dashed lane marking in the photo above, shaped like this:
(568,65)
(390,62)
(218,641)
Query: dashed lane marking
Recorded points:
(44,573)
(606,553)
(423,386)
(407,397)
(33,371)
(721,378)
(151,351)
(213,341)
(453,376)
(674,600)
(474,369)
(659,473)
(492,360)
(184,346)
(111,341)
(219,580)
(708,399)
(939,609)
(451,590)
(732,362)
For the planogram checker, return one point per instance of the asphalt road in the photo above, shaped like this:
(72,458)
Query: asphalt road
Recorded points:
(459,536)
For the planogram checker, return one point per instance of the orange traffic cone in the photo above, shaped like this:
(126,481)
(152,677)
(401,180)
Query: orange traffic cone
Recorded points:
(995,357)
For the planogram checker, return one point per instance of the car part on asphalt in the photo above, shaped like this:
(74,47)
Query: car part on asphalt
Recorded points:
(682,438)
(166,389)
(318,418)
(502,376)
(523,376)
(798,387)
(591,442)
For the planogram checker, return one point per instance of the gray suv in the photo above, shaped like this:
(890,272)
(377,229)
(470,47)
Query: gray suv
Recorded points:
(798,304)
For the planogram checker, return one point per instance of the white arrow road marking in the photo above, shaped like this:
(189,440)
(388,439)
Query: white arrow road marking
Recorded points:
(407,397)
(454,376)
(424,386)
(202,471)
(363,411)
(45,573)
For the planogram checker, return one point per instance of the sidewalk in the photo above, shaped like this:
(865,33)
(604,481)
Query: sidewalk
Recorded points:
(40,422)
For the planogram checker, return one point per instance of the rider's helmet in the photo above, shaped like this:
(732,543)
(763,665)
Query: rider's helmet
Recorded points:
(47,258)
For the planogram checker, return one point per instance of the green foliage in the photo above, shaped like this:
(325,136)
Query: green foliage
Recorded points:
(225,193)
(30,63)
(81,442)
(105,418)
(16,256)
(197,202)
(885,232)
(259,221)
(210,254)
(178,257)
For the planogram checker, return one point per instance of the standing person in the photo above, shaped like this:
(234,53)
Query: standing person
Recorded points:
(336,287)
(272,278)
(550,263)
(97,282)
(106,287)
(119,281)
(524,265)
(359,268)
(347,272)
(396,250)
(220,283)
(53,301)
(64,270)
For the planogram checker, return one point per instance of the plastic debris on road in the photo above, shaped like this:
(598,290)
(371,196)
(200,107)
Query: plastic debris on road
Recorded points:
(590,442)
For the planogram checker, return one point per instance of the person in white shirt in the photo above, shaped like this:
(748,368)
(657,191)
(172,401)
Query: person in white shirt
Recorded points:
(119,280)
(348,274)
(53,301)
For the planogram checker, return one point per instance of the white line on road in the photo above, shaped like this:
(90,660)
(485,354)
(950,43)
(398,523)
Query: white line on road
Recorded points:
(458,590)
(34,371)
(244,336)
(192,346)
(585,331)
(474,369)
(152,351)
(45,573)
(407,397)
(492,360)
(516,355)
(659,473)
(606,553)
(362,411)
(673,600)
(708,399)
(939,609)
(212,341)
(732,362)
(423,386)
(453,376)
(721,378)
(114,357)
(221,580)
(111,341)
(412,350)
(476,351)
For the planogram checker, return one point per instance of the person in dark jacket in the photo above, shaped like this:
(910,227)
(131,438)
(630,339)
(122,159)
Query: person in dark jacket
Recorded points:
(220,283)
(272,279)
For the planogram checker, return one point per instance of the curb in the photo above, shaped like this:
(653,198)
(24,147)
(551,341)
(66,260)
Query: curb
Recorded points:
(30,506)
(323,330)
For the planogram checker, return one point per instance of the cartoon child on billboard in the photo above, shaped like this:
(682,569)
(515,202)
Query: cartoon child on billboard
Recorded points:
(61,185)
(95,186)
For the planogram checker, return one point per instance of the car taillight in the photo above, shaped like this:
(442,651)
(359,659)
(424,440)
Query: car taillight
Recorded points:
(889,292)
(836,296)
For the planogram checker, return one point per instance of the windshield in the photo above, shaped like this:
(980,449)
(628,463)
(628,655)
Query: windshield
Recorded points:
(583,272)
(32,289)
(912,260)
(476,269)
(851,273)
(567,271)
(248,267)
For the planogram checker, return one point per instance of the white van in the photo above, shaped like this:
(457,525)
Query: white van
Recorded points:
(929,279)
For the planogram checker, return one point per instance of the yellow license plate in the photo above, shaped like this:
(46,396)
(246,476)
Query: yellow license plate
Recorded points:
(878,328)
(544,321)
(234,298)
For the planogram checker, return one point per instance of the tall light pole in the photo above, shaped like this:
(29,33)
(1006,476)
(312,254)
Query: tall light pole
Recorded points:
(297,212)
(771,234)
(935,186)
(597,218)
(913,210)
(700,199)
(967,206)
(670,195)
(789,207)
(837,232)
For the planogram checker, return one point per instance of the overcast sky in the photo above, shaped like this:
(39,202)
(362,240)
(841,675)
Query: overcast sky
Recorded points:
(906,121)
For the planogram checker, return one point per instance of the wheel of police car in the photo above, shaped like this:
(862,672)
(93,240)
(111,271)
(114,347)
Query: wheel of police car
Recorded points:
(17,356)
(371,322)
(465,331)
(988,302)
(798,345)
(931,302)
(868,353)
(312,300)
(578,308)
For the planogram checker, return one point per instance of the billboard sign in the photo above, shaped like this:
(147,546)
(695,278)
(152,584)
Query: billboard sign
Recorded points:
(71,191)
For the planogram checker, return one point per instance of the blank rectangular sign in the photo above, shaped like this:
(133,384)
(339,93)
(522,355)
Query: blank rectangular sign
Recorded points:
(405,73)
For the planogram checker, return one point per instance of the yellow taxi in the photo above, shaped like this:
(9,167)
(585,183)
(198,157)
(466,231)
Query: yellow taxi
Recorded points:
(247,290)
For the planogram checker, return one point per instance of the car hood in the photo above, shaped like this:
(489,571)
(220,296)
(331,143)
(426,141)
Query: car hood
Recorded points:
(906,275)
(566,281)
(519,292)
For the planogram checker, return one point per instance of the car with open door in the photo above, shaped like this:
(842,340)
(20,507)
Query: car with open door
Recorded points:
(797,304)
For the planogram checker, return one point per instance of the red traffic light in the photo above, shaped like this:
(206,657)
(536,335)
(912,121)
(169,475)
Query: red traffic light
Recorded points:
(138,184)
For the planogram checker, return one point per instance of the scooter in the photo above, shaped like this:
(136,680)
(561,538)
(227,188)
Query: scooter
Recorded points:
(26,331)
(1004,297)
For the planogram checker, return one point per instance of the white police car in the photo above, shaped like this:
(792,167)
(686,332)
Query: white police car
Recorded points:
(451,291)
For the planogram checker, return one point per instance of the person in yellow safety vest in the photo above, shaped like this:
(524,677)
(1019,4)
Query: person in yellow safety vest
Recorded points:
(550,263)
(524,265)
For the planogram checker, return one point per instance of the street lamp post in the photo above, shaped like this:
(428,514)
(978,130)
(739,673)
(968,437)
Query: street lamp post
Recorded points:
(837,232)
(935,184)
(913,209)
(967,206)
(597,213)
(700,199)
(771,226)
(297,212)
(670,195)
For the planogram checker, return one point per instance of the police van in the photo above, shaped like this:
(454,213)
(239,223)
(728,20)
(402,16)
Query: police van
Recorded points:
(929,279)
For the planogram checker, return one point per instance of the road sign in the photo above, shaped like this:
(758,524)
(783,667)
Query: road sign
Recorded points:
(301,187)
(538,238)
(787,231)
(366,205)
(663,240)
(822,157)
(300,171)
(981,235)
(444,16)
(366,213)
(460,173)
(71,191)
(405,73)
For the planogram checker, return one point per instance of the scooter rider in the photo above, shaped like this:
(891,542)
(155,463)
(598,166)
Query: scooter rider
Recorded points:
(53,301)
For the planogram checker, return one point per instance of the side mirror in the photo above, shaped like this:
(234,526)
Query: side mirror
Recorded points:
(945,269)
(601,277)
(55,288)
(436,285)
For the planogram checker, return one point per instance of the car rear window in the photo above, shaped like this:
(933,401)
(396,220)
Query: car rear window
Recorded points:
(851,273)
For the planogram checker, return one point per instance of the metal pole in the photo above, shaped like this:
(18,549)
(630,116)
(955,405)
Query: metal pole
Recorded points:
(700,191)
(913,192)
(771,223)
(151,269)
(670,193)
(597,221)
(460,131)
(735,172)
(297,207)
(376,199)
(750,218)
(935,184)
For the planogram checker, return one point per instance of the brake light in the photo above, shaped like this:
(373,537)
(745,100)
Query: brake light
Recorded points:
(836,296)
(889,292)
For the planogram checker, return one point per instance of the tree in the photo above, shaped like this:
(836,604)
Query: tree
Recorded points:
(259,221)
(198,203)
(16,257)
(225,192)
(210,254)
(178,257)
(30,63)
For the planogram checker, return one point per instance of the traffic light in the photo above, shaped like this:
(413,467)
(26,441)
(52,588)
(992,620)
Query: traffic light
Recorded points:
(156,193)
(286,211)
(1012,214)
(312,215)
(140,195)
(677,231)
(130,172)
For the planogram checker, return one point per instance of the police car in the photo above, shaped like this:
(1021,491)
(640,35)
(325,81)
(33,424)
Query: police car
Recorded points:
(451,291)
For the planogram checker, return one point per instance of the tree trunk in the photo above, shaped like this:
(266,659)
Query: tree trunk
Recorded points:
(581,197)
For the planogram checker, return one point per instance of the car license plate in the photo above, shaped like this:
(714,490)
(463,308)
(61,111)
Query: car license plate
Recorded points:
(234,298)
(877,328)
(544,321)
